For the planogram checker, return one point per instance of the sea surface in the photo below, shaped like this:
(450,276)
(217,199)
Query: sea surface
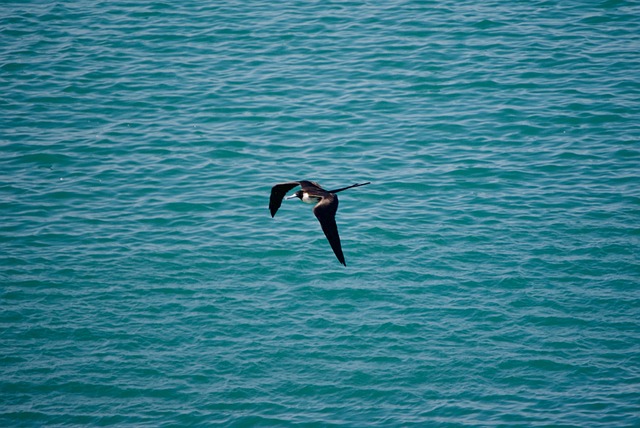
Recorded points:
(493,263)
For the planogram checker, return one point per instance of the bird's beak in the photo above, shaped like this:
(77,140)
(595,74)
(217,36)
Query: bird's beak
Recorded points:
(291,197)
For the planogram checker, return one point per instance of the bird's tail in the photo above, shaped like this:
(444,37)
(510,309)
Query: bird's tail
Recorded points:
(349,187)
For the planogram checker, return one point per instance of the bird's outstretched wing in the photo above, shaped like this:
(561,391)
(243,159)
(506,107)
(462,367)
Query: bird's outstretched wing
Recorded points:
(325,211)
(307,185)
(277,193)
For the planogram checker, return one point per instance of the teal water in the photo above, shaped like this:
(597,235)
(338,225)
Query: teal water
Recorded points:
(493,263)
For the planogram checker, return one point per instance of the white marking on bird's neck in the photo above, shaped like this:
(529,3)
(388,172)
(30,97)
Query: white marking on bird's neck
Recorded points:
(309,199)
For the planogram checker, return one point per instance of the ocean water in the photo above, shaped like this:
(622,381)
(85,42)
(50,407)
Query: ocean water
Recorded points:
(493,264)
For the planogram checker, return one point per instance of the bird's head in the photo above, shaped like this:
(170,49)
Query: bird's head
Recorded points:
(298,195)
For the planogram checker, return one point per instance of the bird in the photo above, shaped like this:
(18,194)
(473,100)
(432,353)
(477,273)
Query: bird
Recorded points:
(326,206)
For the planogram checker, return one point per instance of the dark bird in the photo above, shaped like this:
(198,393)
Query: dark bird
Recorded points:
(325,210)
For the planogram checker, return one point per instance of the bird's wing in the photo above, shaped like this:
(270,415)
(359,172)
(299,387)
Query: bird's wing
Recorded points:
(325,211)
(310,186)
(348,187)
(277,193)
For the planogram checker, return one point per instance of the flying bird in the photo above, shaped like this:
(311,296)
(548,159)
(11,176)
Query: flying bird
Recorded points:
(325,209)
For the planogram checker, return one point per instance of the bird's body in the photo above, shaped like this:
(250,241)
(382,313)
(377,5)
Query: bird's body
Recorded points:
(325,209)
(310,199)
